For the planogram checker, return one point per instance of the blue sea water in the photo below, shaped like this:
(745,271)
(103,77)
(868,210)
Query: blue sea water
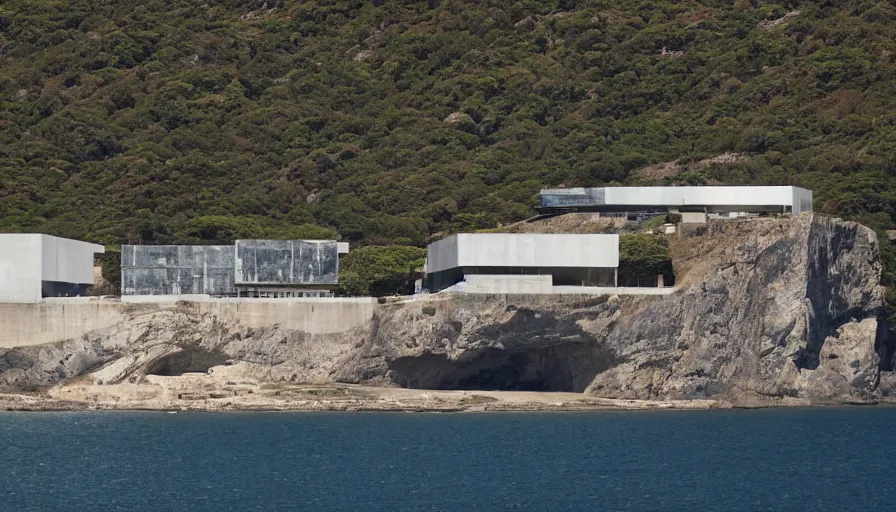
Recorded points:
(790,460)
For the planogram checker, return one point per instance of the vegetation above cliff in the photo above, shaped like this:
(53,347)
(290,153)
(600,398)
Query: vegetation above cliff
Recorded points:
(388,121)
(377,271)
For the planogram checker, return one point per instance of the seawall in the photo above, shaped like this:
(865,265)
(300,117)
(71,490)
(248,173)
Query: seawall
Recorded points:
(62,319)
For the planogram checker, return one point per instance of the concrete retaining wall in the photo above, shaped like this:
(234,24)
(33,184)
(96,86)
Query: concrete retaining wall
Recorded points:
(36,324)
(314,316)
(58,320)
(507,284)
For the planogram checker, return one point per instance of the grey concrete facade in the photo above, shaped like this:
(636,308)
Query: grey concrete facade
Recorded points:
(711,199)
(34,266)
(523,250)
(566,259)
(258,268)
(177,269)
(286,262)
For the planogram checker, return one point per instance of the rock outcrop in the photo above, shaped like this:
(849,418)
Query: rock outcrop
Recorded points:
(770,308)
(766,310)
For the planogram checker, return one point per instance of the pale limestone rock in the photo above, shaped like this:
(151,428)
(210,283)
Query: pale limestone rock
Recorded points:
(457,118)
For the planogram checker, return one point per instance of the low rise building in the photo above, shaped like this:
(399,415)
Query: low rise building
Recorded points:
(249,268)
(278,268)
(177,270)
(522,262)
(709,199)
(36,266)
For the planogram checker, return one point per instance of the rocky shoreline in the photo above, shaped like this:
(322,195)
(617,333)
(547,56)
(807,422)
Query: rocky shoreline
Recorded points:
(766,312)
(355,398)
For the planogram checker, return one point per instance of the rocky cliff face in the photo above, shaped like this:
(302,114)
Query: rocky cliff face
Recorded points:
(765,309)
(768,308)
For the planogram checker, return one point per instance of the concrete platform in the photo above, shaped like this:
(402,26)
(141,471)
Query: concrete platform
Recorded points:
(597,291)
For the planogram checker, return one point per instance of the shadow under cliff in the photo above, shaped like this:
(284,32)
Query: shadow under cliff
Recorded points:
(565,367)
(190,359)
(531,351)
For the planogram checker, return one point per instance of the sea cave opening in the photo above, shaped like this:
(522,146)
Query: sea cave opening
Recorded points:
(188,360)
(568,367)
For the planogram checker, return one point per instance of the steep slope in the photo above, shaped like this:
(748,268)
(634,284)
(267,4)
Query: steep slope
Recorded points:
(778,309)
(177,120)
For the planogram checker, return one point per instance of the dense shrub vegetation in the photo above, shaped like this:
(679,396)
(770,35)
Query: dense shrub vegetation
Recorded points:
(642,257)
(377,271)
(387,121)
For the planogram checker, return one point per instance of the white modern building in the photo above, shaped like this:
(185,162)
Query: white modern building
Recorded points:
(716,199)
(522,262)
(34,266)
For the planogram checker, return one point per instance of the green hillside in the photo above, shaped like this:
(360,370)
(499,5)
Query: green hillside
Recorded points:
(388,121)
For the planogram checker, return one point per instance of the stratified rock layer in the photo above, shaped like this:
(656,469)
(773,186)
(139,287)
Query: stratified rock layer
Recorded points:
(771,308)
(766,309)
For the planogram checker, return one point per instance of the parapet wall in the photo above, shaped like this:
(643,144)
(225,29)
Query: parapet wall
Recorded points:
(52,321)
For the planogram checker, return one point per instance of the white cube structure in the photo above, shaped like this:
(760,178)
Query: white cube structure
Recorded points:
(34,266)
(567,259)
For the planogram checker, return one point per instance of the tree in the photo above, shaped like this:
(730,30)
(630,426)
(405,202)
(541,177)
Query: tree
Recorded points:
(642,257)
(380,270)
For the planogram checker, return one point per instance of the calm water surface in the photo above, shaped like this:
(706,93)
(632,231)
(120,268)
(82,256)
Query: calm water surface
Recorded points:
(834,459)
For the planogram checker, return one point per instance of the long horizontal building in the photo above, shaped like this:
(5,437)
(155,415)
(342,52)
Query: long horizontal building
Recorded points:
(720,199)
(521,262)
(249,268)
(35,266)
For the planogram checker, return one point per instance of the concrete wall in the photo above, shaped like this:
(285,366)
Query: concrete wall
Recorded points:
(286,262)
(29,260)
(442,255)
(20,268)
(693,218)
(802,200)
(218,269)
(177,269)
(36,324)
(314,316)
(507,284)
(68,261)
(61,319)
(742,198)
(524,250)
(596,291)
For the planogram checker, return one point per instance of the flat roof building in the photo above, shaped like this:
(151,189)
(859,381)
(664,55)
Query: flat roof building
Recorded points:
(522,262)
(35,266)
(249,268)
(177,270)
(710,199)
